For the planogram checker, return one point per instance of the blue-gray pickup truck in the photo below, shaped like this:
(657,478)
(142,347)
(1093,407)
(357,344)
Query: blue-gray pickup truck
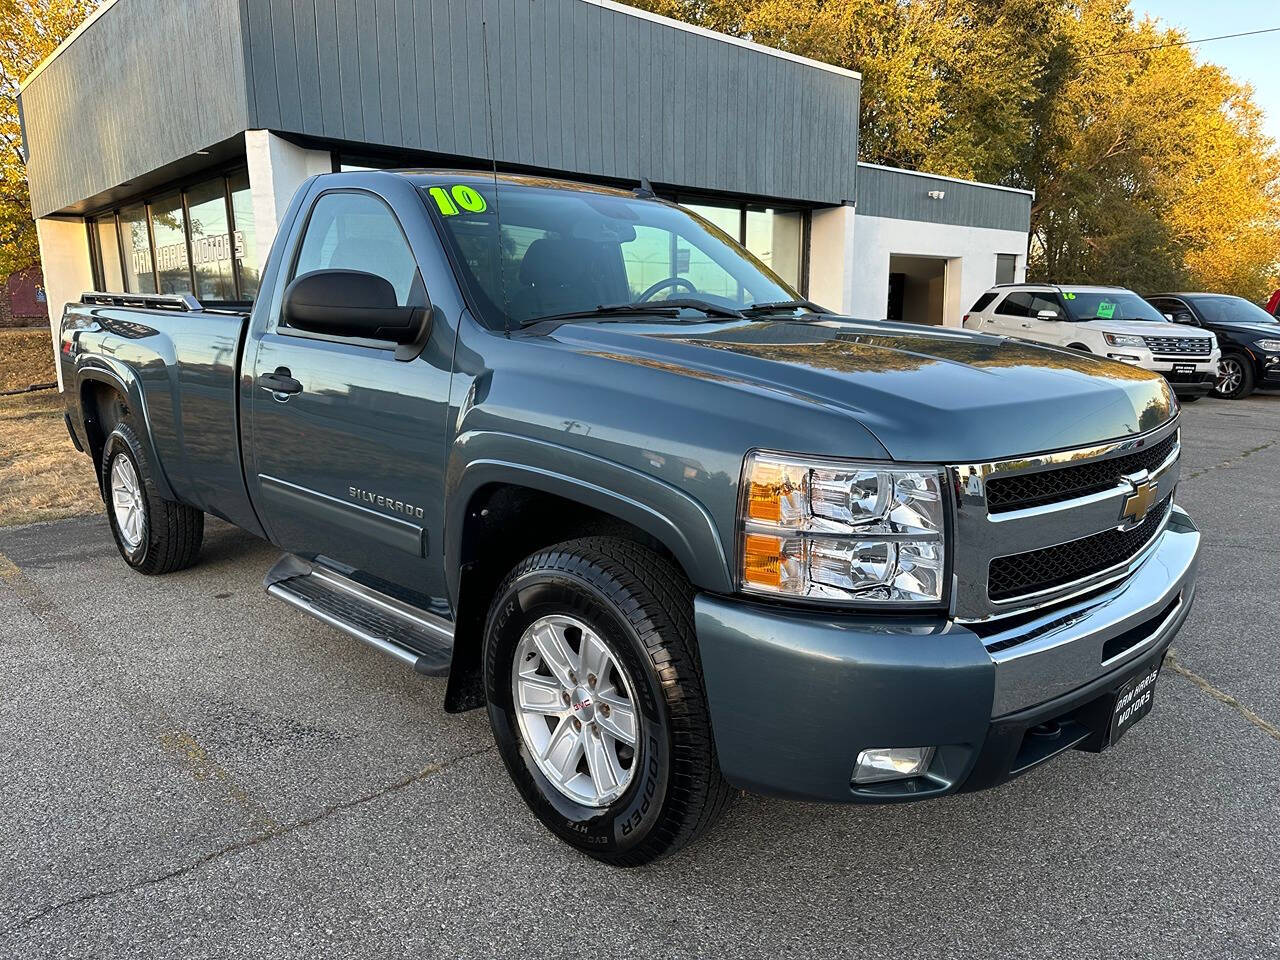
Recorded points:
(679,530)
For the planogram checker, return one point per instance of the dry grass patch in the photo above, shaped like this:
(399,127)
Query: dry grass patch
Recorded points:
(42,475)
(26,358)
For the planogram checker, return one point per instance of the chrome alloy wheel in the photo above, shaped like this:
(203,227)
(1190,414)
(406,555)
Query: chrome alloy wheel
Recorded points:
(126,502)
(576,710)
(1230,375)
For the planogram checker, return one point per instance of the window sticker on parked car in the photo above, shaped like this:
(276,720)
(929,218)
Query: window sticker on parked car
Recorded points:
(1106,310)
(1069,295)
(459,195)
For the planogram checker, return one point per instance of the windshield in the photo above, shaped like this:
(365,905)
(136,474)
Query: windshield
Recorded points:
(562,250)
(1110,305)
(1232,310)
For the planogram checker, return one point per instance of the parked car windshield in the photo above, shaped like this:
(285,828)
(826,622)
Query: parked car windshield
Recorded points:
(1226,309)
(561,250)
(1110,305)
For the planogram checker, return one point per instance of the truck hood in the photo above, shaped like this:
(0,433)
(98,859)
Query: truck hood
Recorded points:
(926,393)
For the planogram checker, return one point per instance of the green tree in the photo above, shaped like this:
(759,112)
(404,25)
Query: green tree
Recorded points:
(29,32)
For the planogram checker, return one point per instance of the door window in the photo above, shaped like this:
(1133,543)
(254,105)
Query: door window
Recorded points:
(1015,305)
(357,231)
(1044,301)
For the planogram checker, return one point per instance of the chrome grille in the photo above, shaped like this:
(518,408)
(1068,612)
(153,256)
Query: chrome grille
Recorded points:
(1032,532)
(1051,486)
(1049,567)
(1180,346)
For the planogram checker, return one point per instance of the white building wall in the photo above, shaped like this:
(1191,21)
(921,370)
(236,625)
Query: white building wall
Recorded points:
(276,169)
(68,272)
(970,252)
(831,255)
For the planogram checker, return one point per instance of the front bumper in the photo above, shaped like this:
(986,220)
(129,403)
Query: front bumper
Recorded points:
(795,695)
(1193,382)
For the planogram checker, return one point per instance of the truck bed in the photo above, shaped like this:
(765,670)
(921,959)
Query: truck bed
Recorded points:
(176,363)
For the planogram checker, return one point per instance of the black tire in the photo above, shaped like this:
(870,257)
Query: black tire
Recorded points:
(642,608)
(171,532)
(1246,383)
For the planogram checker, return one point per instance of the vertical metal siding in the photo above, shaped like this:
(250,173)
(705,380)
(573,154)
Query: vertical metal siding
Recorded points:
(576,87)
(148,83)
(905,196)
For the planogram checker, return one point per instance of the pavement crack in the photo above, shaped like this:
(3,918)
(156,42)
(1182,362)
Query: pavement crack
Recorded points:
(1270,729)
(256,840)
(1232,461)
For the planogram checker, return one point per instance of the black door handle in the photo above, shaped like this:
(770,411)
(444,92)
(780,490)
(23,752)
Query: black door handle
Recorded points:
(280,382)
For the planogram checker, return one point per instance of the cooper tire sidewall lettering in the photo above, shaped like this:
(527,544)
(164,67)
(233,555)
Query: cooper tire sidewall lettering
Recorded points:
(627,821)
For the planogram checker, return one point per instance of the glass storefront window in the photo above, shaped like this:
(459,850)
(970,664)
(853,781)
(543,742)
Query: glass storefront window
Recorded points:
(244,243)
(211,241)
(138,272)
(728,219)
(777,238)
(169,227)
(109,252)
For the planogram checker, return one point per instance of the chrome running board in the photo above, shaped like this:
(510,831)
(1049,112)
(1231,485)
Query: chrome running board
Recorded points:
(415,637)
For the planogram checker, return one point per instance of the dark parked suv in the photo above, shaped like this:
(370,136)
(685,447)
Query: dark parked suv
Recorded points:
(1248,335)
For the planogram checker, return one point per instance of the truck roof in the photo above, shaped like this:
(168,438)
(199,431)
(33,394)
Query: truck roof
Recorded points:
(431,176)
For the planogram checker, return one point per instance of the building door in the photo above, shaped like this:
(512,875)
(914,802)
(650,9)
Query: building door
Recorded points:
(897,284)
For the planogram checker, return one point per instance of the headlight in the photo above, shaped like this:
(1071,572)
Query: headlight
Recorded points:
(1271,346)
(840,531)
(1124,340)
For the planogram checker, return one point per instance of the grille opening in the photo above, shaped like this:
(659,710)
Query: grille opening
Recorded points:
(1135,635)
(1049,567)
(1051,486)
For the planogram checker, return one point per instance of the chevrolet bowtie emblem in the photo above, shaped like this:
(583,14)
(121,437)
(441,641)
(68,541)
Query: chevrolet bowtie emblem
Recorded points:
(1139,502)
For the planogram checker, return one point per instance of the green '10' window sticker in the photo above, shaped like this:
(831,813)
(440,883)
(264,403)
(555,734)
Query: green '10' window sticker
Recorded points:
(1069,295)
(457,198)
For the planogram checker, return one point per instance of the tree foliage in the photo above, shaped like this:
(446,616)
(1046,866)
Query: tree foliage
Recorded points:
(29,32)
(1150,166)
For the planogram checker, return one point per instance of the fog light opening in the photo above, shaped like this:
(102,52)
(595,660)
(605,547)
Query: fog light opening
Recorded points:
(892,763)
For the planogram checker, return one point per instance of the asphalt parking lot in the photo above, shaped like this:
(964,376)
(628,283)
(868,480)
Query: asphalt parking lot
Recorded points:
(188,768)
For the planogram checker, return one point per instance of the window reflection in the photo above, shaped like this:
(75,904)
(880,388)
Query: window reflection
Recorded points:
(244,240)
(138,272)
(169,229)
(109,251)
(210,241)
(777,238)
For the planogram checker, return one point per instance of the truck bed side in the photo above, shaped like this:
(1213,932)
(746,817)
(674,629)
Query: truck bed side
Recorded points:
(176,372)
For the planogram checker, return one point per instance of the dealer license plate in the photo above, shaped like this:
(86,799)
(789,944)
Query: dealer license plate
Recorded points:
(1184,369)
(1134,699)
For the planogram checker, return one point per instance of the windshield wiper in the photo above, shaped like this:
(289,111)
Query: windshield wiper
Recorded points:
(783,306)
(659,308)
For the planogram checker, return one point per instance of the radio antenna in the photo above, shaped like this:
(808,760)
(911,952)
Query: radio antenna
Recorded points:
(497,203)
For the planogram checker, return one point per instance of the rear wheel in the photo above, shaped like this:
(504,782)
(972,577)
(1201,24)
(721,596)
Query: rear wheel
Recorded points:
(153,535)
(1235,377)
(596,700)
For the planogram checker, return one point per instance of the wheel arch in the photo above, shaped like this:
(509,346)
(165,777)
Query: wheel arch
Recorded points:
(106,397)
(501,510)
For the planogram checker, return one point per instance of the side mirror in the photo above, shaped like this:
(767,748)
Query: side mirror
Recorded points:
(1048,315)
(1185,318)
(350,303)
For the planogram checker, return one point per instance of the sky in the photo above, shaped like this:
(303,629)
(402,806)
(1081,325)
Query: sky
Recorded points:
(1255,60)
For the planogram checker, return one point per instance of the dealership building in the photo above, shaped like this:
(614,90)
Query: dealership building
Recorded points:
(164,141)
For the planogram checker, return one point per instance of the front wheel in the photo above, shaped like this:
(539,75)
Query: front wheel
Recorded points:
(596,700)
(1235,377)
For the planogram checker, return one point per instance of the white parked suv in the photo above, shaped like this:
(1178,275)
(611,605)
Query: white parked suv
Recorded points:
(1109,321)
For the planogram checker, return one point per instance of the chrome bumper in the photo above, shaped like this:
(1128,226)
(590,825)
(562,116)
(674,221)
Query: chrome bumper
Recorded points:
(1039,659)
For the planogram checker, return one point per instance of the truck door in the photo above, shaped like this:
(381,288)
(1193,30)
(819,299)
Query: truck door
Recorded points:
(345,441)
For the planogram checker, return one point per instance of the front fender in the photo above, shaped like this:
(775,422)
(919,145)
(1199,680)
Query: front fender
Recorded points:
(675,519)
